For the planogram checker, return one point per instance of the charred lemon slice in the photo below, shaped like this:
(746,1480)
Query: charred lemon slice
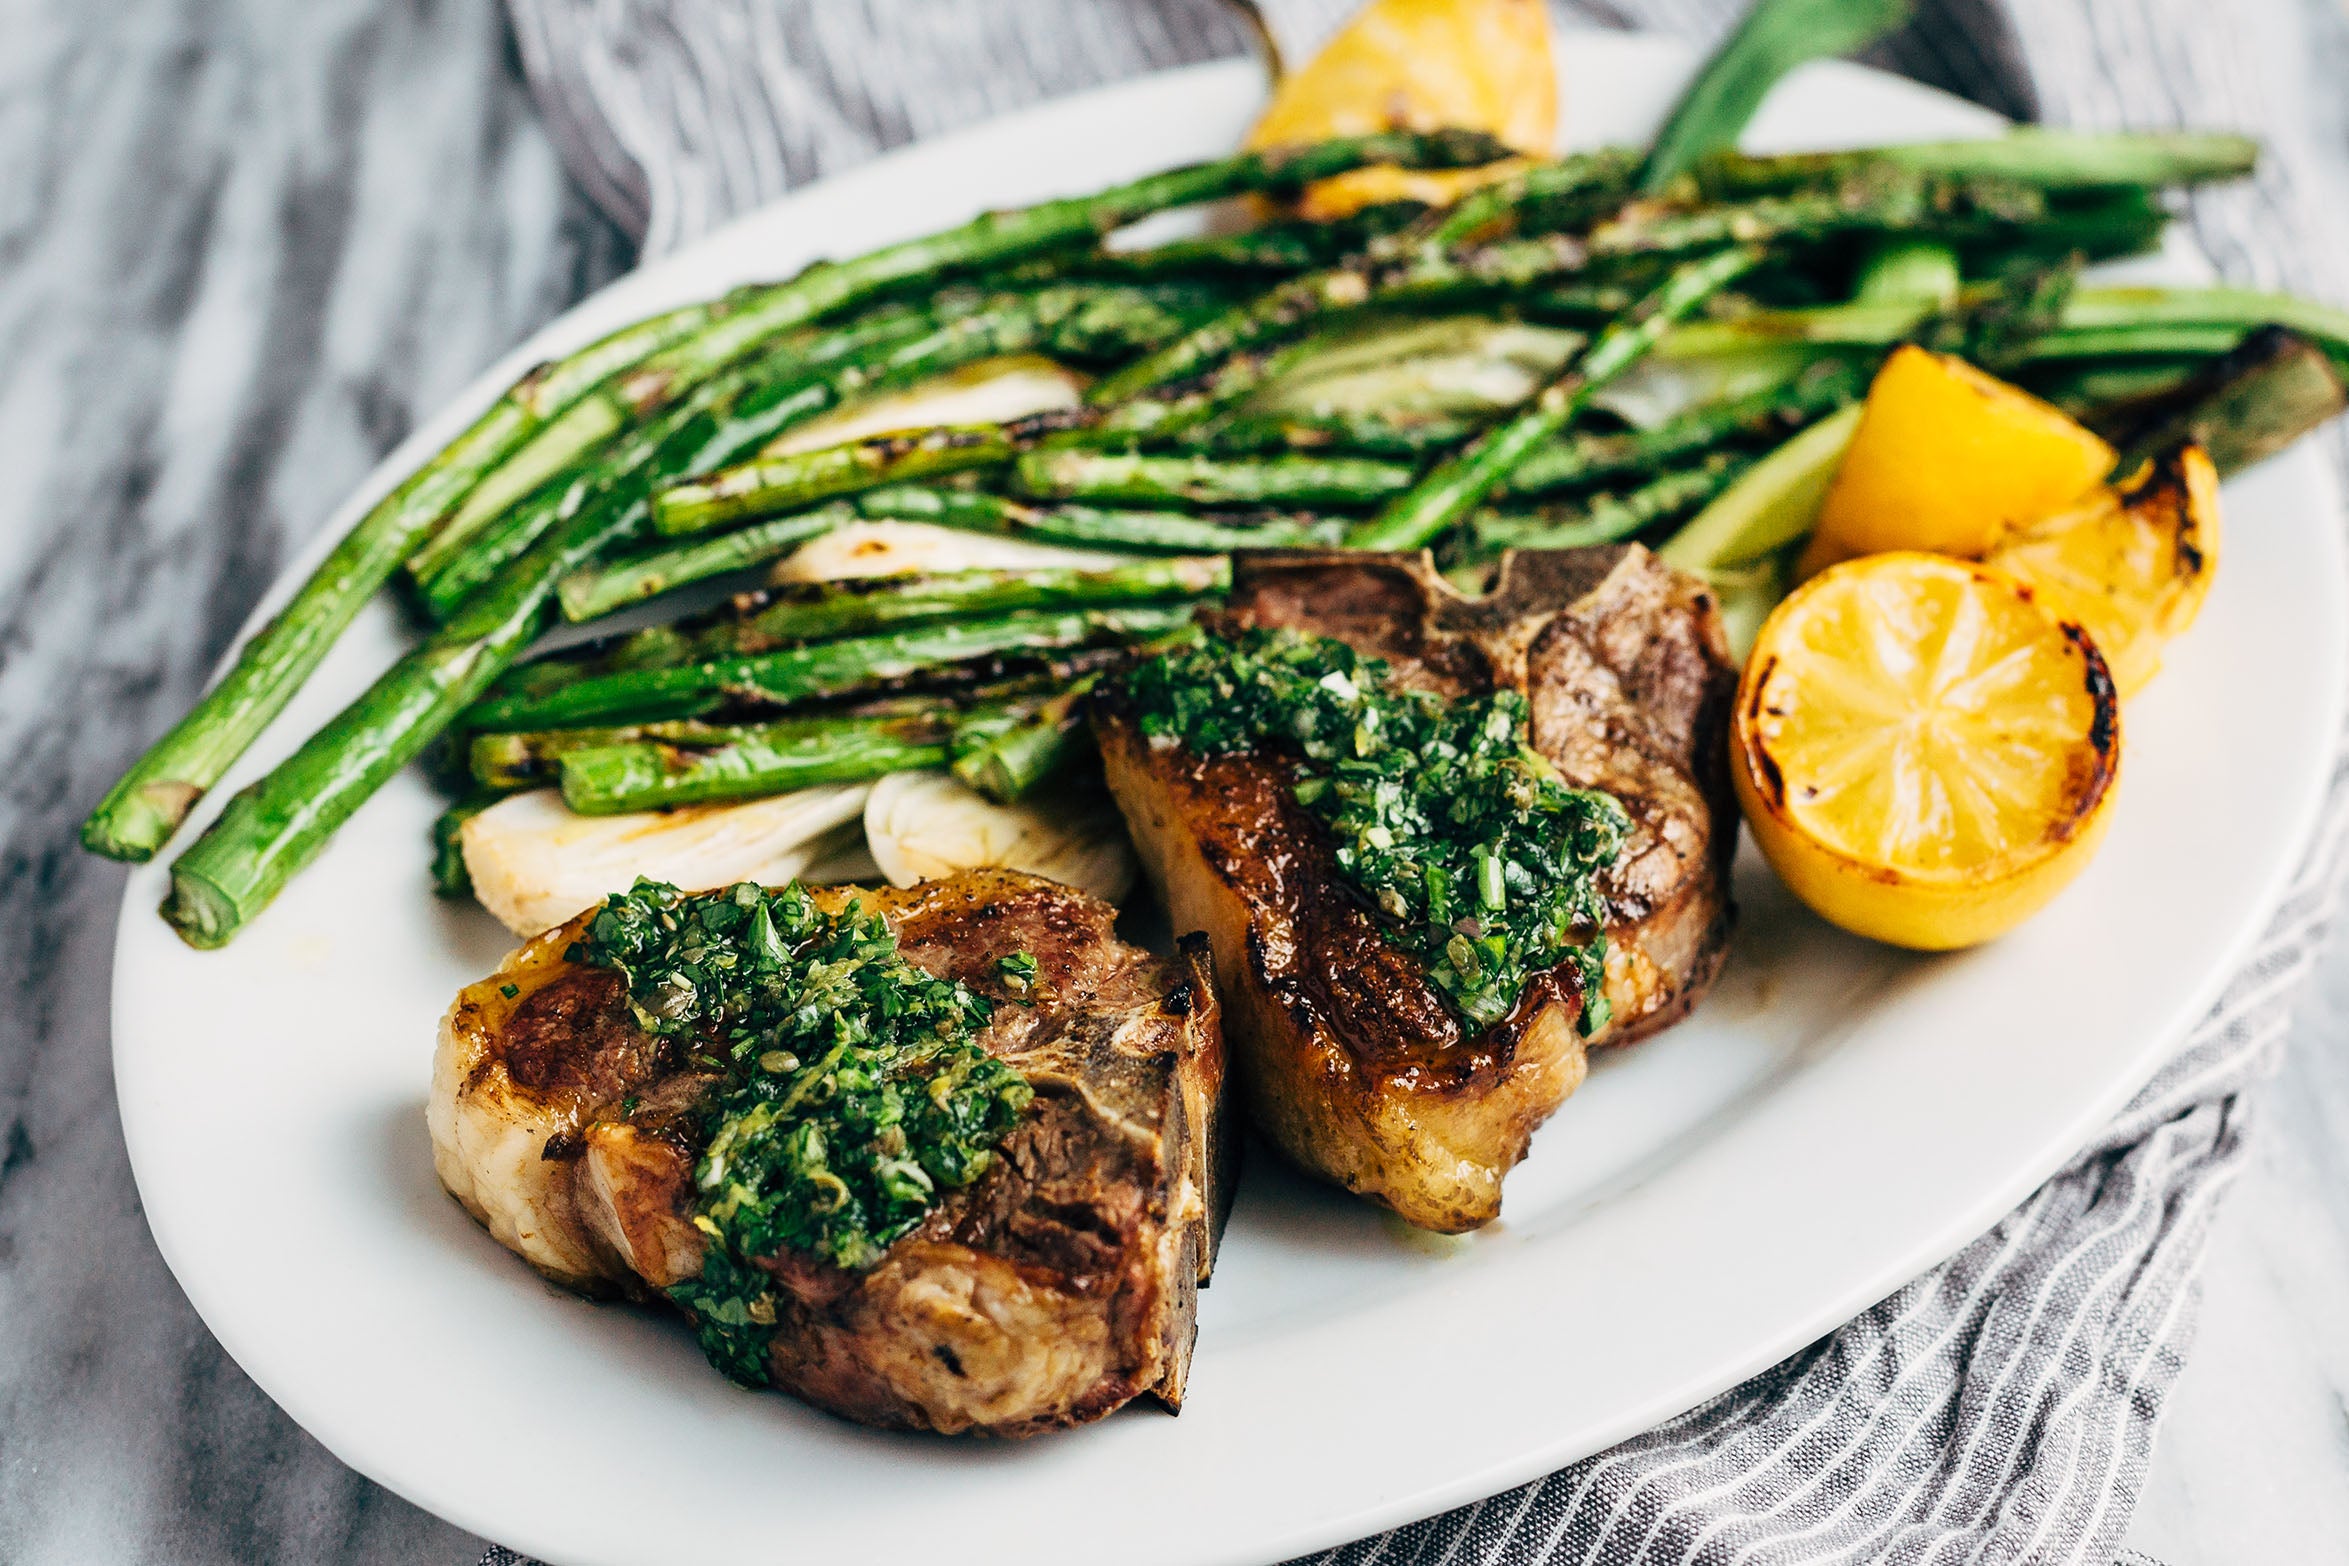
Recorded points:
(2131,565)
(1924,754)
(1420,65)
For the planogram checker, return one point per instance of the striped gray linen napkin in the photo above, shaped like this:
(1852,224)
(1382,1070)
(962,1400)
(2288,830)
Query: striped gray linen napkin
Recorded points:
(2000,1408)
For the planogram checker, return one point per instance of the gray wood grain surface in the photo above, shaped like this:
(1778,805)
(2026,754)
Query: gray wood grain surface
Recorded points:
(244,244)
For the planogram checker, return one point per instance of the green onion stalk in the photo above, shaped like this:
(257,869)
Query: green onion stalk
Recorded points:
(1774,38)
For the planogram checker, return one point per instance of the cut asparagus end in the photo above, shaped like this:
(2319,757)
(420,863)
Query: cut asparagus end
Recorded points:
(138,816)
(450,875)
(206,914)
(1008,761)
(1896,267)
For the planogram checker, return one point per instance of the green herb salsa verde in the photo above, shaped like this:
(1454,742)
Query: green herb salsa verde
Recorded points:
(1481,861)
(852,1096)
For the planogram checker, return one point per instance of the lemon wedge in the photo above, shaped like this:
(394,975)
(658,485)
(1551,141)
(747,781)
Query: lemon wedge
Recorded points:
(2131,565)
(1924,754)
(1420,65)
(1947,458)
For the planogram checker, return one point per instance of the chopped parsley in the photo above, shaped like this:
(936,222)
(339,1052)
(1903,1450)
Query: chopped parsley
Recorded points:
(1018,971)
(853,1092)
(1480,860)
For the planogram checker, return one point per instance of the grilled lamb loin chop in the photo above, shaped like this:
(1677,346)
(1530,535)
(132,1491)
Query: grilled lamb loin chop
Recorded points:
(1348,1056)
(1057,1287)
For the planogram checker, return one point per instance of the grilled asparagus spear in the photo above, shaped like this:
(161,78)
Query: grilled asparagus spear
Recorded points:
(504,762)
(1153,479)
(147,804)
(819,670)
(601,589)
(1605,518)
(780,617)
(796,480)
(864,359)
(1357,482)
(275,827)
(1418,517)
(806,376)
(568,445)
(1212,367)
(752,761)
(659,360)
(596,590)
(2051,160)
(1243,433)
(1099,527)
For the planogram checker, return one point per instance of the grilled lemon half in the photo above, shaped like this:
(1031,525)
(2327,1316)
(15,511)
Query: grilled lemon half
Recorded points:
(1924,754)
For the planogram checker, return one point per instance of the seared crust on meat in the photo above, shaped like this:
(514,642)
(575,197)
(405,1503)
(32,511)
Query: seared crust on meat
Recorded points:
(1058,1287)
(1348,1057)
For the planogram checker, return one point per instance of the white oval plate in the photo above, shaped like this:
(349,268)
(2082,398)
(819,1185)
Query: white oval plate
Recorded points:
(1834,1120)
